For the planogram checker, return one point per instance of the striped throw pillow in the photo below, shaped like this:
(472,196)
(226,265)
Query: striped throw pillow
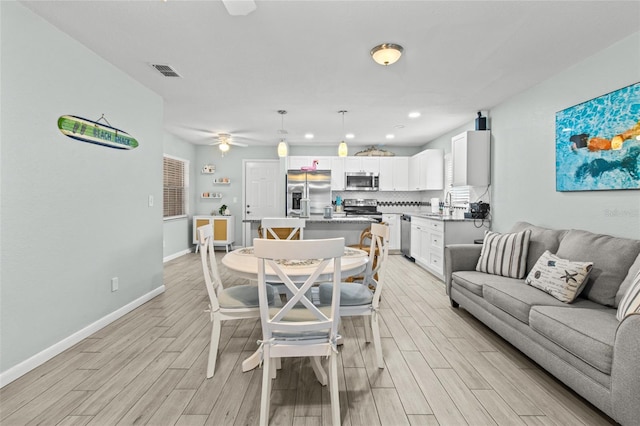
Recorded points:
(630,302)
(504,254)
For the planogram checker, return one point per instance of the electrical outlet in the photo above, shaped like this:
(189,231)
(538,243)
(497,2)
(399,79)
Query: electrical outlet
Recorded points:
(150,200)
(235,199)
(114,284)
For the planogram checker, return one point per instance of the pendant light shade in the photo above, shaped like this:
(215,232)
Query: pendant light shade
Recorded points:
(283,149)
(387,53)
(343,149)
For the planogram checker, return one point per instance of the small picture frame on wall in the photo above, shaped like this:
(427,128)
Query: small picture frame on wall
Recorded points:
(598,143)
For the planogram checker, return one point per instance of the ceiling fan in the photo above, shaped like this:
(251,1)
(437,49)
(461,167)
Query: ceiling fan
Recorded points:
(224,142)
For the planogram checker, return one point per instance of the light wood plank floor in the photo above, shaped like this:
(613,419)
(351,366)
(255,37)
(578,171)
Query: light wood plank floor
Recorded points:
(442,367)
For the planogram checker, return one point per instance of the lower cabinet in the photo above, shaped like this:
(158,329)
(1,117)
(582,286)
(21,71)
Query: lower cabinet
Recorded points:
(429,238)
(393,220)
(223,230)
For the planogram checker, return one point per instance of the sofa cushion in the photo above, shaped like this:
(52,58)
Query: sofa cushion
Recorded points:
(588,334)
(541,239)
(630,303)
(471,280)
(516,298)
(559,277)
(504,254)
(611,256)
(635,268)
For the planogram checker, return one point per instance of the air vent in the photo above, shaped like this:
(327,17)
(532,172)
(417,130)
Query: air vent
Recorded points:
(165,70)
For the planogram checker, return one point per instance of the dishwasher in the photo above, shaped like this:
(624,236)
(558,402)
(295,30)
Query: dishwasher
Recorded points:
(405,236)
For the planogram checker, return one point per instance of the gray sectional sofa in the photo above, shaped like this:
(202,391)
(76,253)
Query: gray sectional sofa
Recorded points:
(581,343)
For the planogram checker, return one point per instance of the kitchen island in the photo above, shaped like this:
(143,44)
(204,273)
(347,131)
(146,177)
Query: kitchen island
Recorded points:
(317,227)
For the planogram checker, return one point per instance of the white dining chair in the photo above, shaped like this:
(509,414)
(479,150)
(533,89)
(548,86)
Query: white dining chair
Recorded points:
(282,228)
(236,302)
(299,328)
(357,299)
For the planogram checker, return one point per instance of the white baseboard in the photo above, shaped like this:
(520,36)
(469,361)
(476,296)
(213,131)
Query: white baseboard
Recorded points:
(24,367)
(176,255)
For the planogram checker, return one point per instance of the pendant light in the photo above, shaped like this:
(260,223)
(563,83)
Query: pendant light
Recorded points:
(283,148)
(343,149)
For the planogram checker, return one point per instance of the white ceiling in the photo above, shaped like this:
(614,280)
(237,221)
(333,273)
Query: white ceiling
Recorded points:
(312,59)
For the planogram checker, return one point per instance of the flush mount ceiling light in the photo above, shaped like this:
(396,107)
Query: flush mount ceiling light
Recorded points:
(343,149)
(414,114)
(387,53)
(283,148)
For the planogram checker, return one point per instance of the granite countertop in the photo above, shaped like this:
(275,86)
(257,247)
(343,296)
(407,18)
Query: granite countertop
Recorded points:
(320,219)
(443,218)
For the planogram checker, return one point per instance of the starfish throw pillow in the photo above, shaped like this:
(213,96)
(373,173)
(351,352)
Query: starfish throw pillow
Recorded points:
(561,278)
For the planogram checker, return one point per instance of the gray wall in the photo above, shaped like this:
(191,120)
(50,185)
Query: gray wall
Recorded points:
(523,150)
(177,232)
(73,214)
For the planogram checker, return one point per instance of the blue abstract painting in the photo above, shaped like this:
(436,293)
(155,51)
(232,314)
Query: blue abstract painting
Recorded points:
(598,143)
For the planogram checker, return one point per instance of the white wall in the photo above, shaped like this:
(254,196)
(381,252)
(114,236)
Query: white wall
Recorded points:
(74,214)
(523,150)
(177,232)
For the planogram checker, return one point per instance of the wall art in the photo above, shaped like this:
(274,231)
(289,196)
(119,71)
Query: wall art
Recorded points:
(598,143)
(90,131)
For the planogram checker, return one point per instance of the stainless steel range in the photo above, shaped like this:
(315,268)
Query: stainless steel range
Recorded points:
(362,207)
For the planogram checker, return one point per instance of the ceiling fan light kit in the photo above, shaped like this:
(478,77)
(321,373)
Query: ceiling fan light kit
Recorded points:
(387,53)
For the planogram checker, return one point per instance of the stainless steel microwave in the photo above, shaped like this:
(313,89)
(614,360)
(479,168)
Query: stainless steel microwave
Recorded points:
(361,181)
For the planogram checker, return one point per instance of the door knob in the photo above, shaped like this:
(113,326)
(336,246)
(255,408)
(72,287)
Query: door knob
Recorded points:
(248,206)
(248,212)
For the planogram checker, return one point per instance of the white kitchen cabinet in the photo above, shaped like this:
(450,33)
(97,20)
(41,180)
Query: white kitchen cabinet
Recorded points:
(434,235)
(471,156)
(426,170)
(362,164)
(393,220)
(298,161)
(394,173)
(337,173)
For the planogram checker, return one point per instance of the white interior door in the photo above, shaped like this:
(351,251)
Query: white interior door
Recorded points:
(263,192)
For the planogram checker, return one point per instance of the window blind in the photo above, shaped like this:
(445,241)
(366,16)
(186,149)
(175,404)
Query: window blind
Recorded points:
(459,194)
(174,187)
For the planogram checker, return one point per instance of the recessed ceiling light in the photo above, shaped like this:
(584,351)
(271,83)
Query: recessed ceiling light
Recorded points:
(390,136)
(414,114)
(308,135)
(349,136)
(399,126)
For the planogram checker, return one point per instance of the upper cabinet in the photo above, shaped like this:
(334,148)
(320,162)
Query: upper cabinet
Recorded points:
(362,164)
(335,164)
(394,173)
(471,153)
(426,170)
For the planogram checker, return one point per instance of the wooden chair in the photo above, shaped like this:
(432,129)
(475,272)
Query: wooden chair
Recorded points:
(299,328)
(237,302)
(358,299)
(282,228)
(365,244)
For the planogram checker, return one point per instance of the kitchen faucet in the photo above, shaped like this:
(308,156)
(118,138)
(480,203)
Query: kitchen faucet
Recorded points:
(448,201)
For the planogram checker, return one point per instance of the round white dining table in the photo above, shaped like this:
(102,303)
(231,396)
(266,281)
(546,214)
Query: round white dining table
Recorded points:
(243,262)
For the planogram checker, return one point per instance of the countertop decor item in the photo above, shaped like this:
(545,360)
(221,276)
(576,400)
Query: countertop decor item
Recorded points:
(90,131)
(372,151)
(223,209)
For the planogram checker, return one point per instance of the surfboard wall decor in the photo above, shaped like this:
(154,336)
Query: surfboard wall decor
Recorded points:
(93,132)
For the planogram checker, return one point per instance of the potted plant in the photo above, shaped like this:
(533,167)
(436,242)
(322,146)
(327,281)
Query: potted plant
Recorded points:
(223,210)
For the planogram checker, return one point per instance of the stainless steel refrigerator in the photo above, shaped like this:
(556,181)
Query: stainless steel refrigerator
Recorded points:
(314,185)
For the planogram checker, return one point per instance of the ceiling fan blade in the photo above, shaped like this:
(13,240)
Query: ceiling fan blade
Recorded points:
(244,145)
(239,7)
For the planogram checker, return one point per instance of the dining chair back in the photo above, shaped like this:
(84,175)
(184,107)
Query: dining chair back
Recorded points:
(299,328)
(237,302)
(282,228)
(363,299)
